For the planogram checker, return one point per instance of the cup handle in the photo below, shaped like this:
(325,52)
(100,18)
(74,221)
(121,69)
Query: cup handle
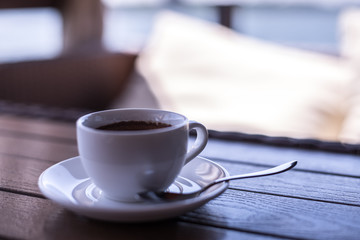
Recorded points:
(200,141)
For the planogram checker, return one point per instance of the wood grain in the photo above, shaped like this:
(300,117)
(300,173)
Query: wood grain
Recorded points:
(279,216)
(20,175)
(10,124)
(43,148)
(240,211)
(311,160)
(299,184)
(45,220)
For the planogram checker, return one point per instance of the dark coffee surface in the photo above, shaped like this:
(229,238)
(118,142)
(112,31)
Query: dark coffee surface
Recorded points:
(133,126)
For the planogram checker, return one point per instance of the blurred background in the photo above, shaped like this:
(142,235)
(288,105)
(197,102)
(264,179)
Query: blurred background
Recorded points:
(63,58)
(305,24)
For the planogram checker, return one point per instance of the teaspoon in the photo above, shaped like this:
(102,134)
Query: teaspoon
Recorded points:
(170,196)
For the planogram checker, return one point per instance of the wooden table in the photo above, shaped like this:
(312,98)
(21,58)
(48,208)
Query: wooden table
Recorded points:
(319,199)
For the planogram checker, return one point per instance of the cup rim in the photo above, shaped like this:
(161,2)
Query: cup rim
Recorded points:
(80,123)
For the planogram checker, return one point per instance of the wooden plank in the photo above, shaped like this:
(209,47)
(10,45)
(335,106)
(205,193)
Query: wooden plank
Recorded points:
(311,160)
(24,217)
(279,216)
(39,148)
(37,126)
(238,211)
(20,174)
(299,184)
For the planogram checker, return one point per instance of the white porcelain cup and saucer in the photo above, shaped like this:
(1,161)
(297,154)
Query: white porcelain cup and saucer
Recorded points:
(115,165)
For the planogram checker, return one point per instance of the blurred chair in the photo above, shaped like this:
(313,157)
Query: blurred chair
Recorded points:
(84,76)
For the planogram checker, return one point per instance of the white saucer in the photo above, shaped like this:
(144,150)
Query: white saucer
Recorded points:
(67,184)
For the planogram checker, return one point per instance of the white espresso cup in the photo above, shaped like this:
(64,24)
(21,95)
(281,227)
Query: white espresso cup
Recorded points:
(123,163)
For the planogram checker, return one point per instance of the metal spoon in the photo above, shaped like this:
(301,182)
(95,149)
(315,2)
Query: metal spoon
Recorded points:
(170,196)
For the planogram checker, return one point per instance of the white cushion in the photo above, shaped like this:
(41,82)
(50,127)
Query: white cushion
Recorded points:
(231,82)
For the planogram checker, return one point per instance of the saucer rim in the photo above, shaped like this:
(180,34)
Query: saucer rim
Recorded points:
(139,211)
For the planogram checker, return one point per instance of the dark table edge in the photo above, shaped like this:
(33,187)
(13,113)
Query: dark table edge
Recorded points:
(315,144)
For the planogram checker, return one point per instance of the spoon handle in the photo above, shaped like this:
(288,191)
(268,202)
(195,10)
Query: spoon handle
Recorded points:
(275,170)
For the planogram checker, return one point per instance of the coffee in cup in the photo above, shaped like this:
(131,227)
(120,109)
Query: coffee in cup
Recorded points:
(133,126)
